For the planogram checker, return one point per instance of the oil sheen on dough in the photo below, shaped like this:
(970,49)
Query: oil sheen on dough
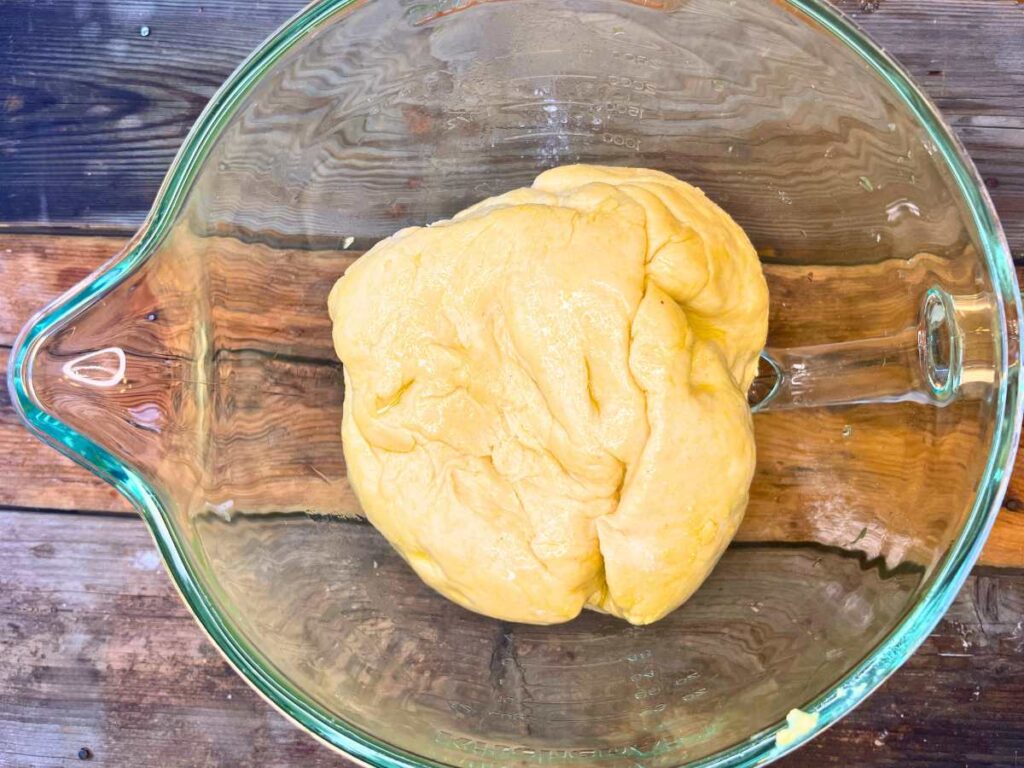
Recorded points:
(545,404)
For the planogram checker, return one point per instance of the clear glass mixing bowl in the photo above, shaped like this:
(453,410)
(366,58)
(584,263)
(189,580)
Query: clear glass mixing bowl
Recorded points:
(195,370)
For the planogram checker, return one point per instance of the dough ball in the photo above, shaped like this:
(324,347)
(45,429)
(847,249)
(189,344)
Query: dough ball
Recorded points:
(545,403)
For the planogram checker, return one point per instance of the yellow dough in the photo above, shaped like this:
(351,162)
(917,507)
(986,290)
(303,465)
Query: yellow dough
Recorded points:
(545,403)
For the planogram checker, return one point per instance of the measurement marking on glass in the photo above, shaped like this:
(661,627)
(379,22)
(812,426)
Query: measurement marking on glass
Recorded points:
(568,76)
(632,84)
(629,142)
(638,59)
(646,685)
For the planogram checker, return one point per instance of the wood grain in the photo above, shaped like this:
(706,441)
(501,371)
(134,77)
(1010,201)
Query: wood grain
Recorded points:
(35,475)
(38,267)
(91,128)
(34,270)
(100,653)
(94,111)
(1005,546)
(950,682)
(968,55)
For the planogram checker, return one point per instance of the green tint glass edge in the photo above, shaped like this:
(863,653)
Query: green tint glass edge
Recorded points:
(759,748)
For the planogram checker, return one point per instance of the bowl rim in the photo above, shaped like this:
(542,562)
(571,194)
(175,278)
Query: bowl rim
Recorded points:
(757,749)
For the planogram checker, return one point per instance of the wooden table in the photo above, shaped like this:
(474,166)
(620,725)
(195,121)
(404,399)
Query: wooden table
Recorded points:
(100,660)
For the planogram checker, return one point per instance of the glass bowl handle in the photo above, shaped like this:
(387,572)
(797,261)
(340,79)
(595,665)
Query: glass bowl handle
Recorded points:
(941,358)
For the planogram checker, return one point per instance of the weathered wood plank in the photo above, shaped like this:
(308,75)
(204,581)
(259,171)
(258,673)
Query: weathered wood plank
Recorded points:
(34,475)
(101,650)
(944,707)
(101,654)
(34,270)
(38,267)
(968,55)
(94,111)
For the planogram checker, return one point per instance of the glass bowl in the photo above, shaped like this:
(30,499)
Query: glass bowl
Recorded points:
(195,370)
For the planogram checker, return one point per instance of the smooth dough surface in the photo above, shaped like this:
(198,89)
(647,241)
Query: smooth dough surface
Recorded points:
(545,404)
